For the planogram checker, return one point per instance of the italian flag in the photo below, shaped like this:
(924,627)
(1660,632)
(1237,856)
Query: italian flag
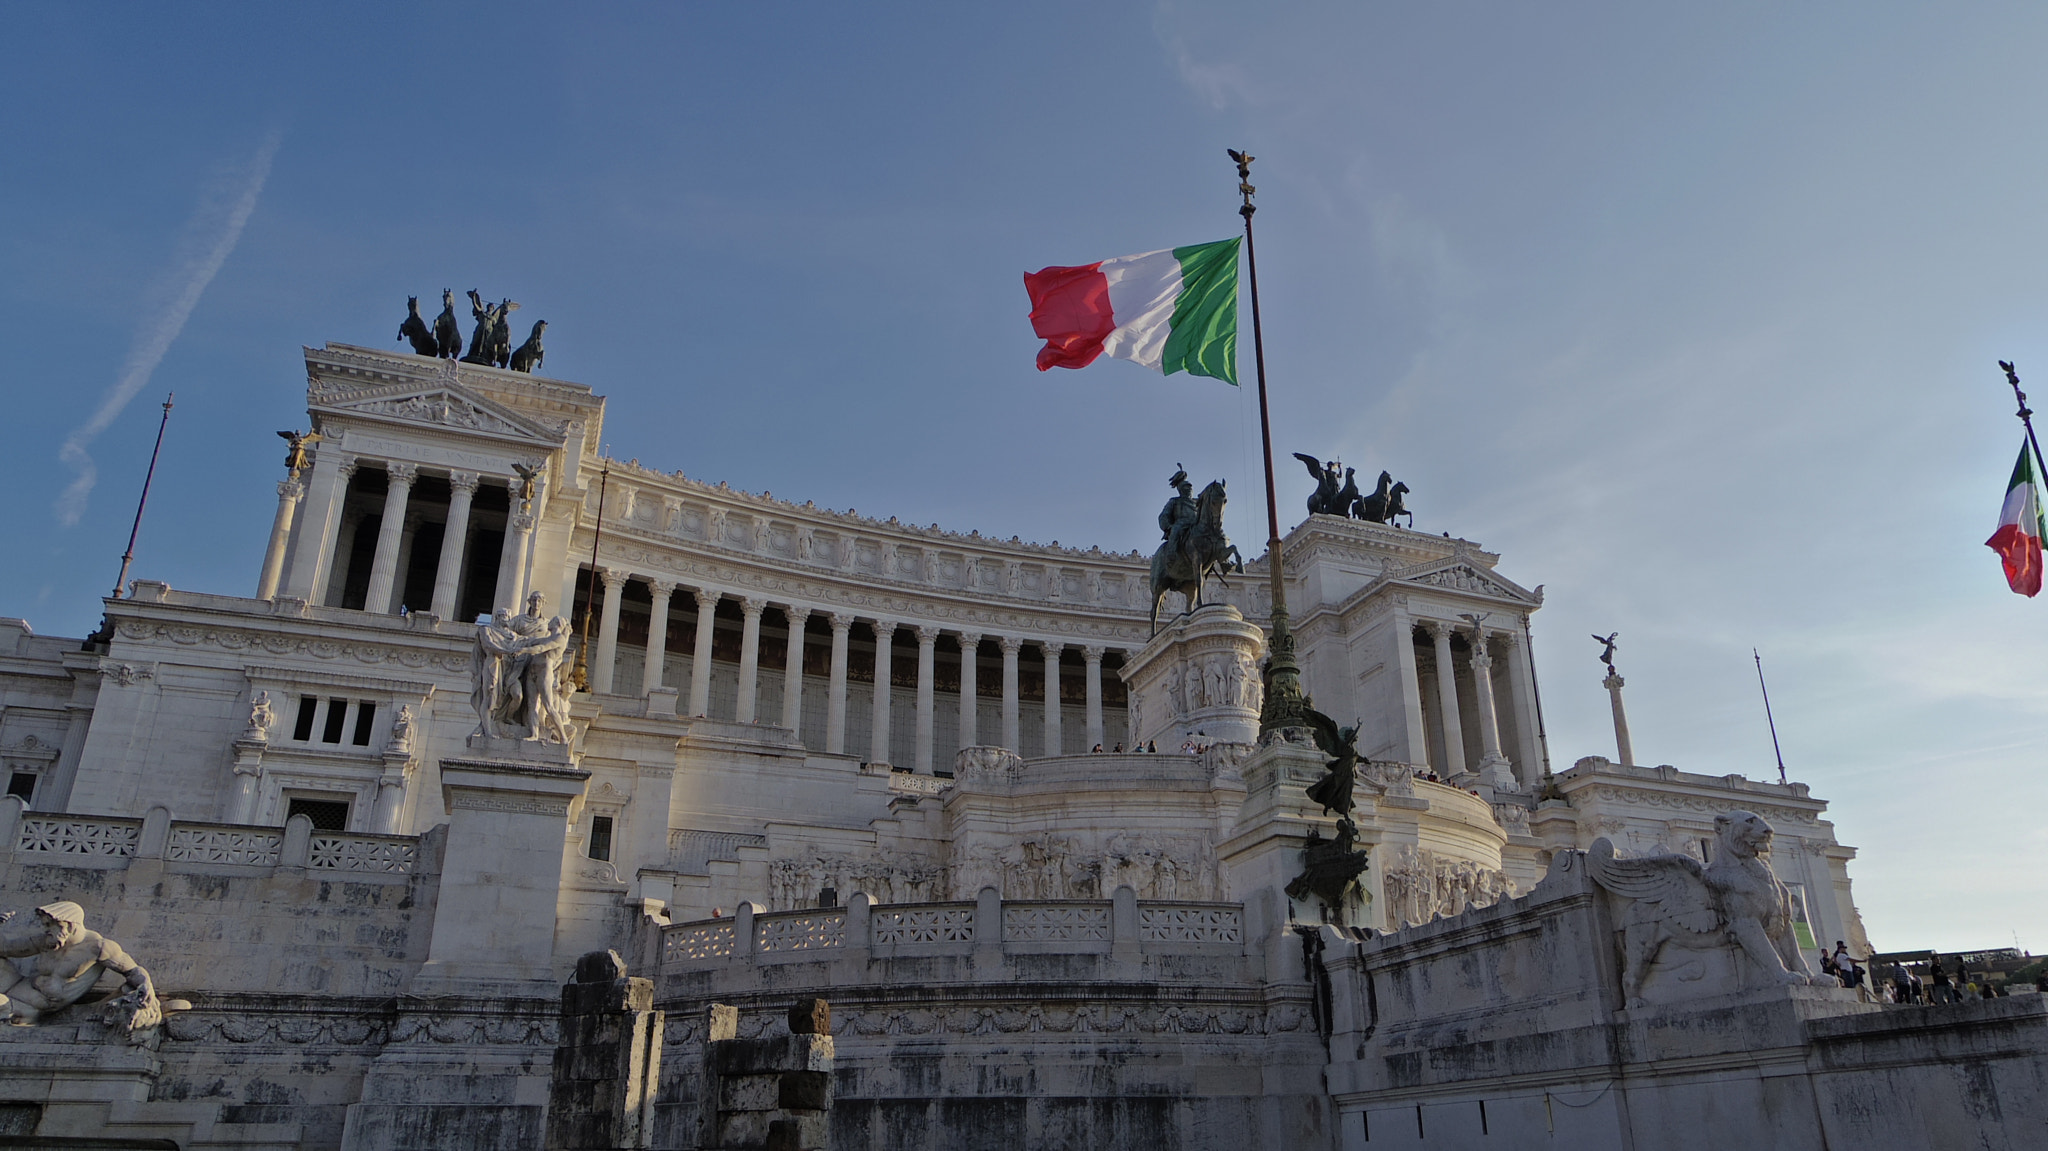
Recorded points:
(1174,310)
(2018,538)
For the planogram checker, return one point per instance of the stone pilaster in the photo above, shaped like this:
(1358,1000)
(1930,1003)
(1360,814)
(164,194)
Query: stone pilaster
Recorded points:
(835,689)
(878,744)
(1092,655)
(750,657)
(1447,702)
(605,662)
(1052,695)
(927,648)
(384,567)
(313,551)
(700,663)
(1494,767)
(793,668)
(1011,645)
(970,652)
(454,543)
(657,635)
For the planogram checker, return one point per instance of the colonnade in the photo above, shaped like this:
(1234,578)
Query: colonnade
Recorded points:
(887,632)
(1493,761)
(314,505)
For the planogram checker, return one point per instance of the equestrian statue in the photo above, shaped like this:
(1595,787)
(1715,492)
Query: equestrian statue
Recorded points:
(1195,546)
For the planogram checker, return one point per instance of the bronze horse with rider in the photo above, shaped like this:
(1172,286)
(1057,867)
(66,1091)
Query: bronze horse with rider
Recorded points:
(1203,551)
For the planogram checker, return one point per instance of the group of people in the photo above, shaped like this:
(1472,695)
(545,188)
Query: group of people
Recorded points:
(1142,747)
(1899,984)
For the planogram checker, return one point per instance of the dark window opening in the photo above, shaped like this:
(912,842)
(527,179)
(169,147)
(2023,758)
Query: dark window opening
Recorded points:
(326,814)
(362,556)
(828,897)
(480,577)
(366,712)
(302,727)
(416,589)
(23,784)
(337,716)
(600,837)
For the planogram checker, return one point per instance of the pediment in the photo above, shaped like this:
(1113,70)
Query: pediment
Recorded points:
(435,405)
(1459,576)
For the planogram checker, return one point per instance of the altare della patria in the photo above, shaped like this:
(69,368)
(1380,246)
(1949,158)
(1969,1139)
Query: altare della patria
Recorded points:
(525,798)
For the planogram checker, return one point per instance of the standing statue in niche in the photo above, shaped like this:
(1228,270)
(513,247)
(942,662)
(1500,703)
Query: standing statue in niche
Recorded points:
(447,337)
(415,329)
(261,716)
(1195,546)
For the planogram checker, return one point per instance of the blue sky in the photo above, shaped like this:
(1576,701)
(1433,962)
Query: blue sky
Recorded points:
(1692,315)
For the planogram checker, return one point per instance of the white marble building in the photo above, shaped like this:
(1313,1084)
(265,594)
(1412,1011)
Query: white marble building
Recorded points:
(734,751)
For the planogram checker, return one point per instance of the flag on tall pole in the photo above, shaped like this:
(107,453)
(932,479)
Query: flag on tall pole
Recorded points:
(1174,310)
(2020,528)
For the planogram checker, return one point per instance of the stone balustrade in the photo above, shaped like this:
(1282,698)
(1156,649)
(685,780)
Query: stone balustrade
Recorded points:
(99,842)
(987,931)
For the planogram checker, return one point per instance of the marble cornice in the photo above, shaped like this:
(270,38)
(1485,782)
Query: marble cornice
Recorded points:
(532,397)
(253,633)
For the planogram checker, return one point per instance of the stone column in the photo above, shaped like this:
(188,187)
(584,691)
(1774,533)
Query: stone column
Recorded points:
(1492,764)
(603,663)
(512,558)
(248,778)
(970,719)
(750,657)
(1011,645)
(1527,732)
(878,743)
(1447,701)
(313,553)
(389,810)
(454,541)
(927,651)
(700,661)
(1052,695)
(1093,654)
(793,668)
(1622,748)
(835,690)
(384,568)
(657,635)
(289,493)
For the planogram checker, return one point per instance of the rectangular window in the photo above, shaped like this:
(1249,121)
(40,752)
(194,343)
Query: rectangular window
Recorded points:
(23,784)
(337,719)
(326,814)
(600,837)
(366,713)
(302,727)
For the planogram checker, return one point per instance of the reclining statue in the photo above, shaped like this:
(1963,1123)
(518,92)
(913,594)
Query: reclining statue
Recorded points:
(69,964)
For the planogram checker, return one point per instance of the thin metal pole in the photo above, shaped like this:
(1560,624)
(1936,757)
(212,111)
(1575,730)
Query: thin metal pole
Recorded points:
(1768,718)
(2026,415)
(582,672)
(128,557)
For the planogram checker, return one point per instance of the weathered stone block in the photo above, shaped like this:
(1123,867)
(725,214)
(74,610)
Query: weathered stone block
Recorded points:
(781,1053)
(810,1017)
(799,1133)
(748,1092)
(804,1091)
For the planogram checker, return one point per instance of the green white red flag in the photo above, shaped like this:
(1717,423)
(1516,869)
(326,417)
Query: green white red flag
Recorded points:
(2020,528)
(1174,310)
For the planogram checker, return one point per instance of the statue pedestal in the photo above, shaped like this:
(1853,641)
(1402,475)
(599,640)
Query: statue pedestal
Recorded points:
(1268,850)
(508,814)
(1199,675)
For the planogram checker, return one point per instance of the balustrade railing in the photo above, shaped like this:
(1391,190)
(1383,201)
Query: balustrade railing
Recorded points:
(112,843)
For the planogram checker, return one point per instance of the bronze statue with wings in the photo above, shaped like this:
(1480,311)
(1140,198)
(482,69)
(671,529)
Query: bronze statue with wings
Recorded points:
(295,456)
(527,477)
(1329,478)
(1334,790)
(1606,643)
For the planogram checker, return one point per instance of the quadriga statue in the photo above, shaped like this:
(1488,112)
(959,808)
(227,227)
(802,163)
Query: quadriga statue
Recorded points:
(1733,904)
(69,963)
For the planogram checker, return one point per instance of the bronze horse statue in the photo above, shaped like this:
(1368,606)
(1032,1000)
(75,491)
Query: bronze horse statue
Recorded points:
(1384,503)
(1210,550)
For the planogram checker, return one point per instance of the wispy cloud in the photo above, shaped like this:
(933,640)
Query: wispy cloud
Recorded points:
(210,235)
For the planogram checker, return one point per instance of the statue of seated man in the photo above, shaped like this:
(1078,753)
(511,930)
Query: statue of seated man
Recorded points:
(70,964)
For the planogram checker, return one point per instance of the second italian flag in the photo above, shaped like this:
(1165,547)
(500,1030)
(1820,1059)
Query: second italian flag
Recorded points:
(1174,310)
(2018,538)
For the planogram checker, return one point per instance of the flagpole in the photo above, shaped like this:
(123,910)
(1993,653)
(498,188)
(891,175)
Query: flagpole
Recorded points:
(1284,703)
(105,632)
(2026,415)
(580,674)
(1768,718)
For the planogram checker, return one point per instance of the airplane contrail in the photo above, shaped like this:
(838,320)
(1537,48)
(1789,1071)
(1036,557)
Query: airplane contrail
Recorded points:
(212,232)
